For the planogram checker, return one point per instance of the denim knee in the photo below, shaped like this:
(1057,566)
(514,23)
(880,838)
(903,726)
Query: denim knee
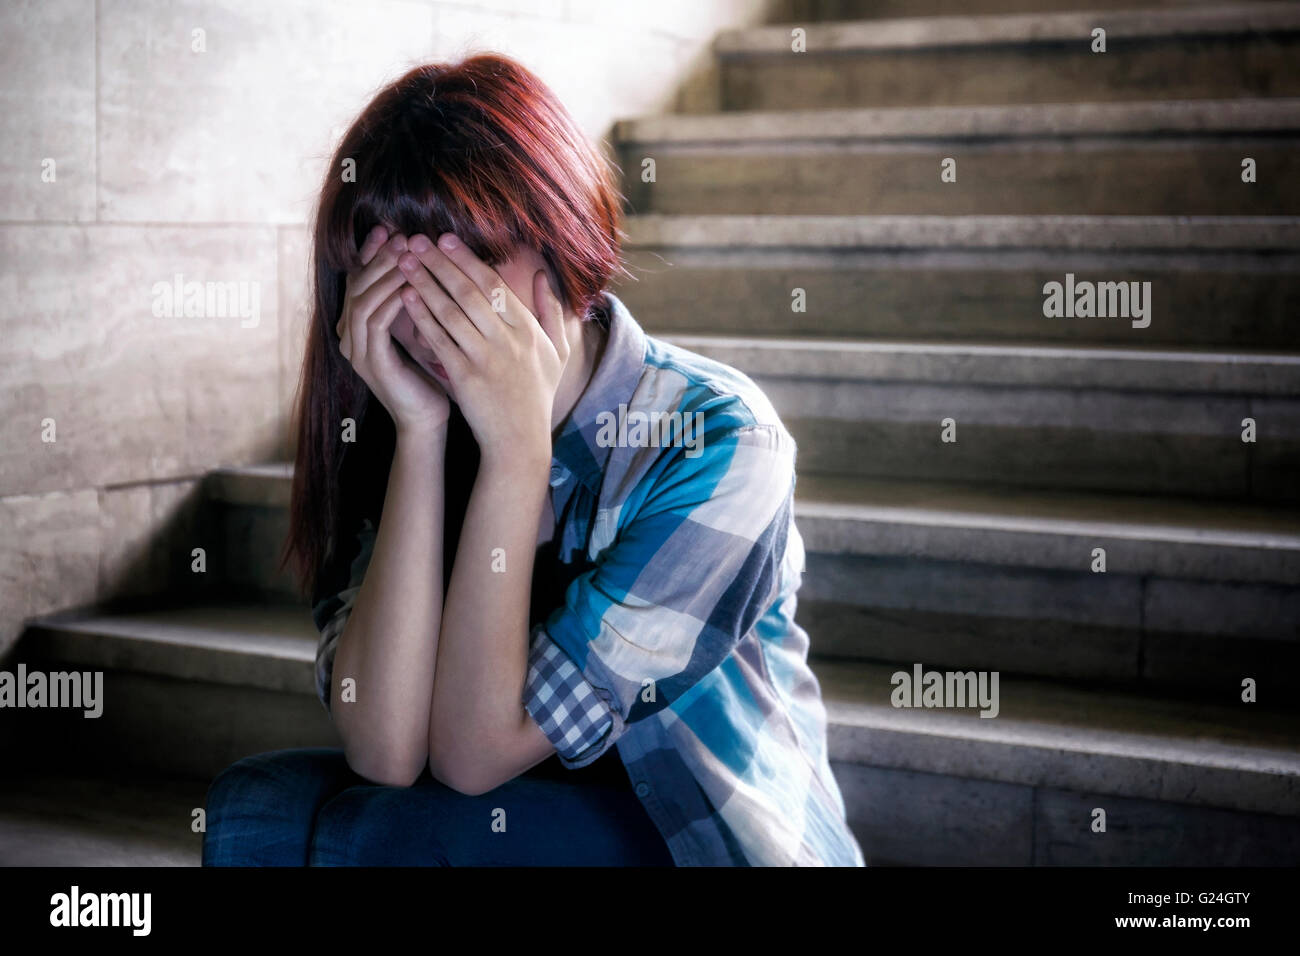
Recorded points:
(261,810)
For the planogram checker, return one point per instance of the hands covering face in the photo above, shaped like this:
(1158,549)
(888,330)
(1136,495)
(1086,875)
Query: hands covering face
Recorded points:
(462,322)
(372,303)
(502,362)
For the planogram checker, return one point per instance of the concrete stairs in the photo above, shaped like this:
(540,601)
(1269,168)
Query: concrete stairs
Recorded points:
(1128,158)
(1184,52)
(924,301)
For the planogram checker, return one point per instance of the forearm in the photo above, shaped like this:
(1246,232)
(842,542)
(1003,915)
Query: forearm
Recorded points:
(389,646)
(483,650)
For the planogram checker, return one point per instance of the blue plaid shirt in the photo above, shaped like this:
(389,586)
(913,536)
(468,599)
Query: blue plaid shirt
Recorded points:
(676,643)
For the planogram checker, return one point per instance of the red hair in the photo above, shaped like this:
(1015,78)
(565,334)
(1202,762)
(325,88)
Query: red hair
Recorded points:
(481,148)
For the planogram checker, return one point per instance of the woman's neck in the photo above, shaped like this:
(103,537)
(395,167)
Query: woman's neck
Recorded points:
(586,343)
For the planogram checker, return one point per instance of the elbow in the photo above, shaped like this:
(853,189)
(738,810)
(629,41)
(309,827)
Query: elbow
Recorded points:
(456,771)
(464,784)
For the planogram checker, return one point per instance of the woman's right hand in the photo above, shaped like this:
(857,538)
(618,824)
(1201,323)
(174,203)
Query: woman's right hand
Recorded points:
(371,301)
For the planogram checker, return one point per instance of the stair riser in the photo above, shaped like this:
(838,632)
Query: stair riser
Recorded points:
(923,819)
(1182,68)
(1137,177)
(1116,628)
(178,727)
(1074,454)
(899,816)
(1237,301)
(249,539)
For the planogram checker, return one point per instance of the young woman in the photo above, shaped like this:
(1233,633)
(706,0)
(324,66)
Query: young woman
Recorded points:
(553,559)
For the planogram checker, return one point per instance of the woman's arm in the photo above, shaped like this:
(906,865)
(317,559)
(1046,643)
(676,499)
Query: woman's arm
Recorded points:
(389,644)
(504,367)
(480,735)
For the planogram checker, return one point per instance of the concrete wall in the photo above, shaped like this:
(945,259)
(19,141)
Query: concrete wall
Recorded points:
(130,157)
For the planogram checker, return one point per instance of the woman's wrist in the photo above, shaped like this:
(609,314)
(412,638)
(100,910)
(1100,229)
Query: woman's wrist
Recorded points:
(520,462)
(429,435)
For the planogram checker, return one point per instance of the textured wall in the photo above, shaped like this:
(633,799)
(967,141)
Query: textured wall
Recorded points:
(150,139)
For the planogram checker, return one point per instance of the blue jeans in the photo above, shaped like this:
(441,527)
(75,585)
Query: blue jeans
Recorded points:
(307,807)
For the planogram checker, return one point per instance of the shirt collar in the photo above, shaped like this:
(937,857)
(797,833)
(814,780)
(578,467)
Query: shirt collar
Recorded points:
(612,384)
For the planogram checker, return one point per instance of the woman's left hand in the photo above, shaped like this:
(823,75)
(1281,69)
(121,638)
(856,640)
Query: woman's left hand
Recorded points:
(503,362)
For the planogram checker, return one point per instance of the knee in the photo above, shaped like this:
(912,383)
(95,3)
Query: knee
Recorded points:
(269,796)
(382,826)
(258,780)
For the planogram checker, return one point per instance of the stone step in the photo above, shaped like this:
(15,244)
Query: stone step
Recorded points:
(1174,158)
(187,690)
(793,11)
(1131,420)
(1194,597)
(1179,784)
(1224,50)
(1017,788)
(1215,281)
(109,818)
(984,578)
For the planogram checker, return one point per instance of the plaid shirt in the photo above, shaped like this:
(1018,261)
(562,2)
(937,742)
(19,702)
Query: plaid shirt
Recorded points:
(676,643)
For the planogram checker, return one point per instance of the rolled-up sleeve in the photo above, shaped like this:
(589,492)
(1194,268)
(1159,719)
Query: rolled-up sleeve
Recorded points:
(682,581)
(331,614)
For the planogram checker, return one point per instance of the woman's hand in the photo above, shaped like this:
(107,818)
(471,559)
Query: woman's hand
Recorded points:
(502,362)
(372,300)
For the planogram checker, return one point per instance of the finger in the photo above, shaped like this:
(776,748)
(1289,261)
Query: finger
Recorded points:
(461,287)
(383,260)
(427,298)
(434,335)
(358,283)
(444,308)
(372,244)
(362,309)
(377,325)
(550,313)
(483,276)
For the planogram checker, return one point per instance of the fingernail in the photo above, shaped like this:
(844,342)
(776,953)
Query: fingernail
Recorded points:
(408,295)
(398,243)
(420,244)
(407,262)
(448,241)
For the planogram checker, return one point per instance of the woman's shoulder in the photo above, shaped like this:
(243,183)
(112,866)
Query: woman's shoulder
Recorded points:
(684,376)
(696,429)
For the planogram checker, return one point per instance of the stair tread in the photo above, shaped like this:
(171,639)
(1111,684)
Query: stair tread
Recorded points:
(1034,711)
(1026,528)
(781,127)
(1087,741)
(948,363)
(1180,233)
(268,646)
(1048,512)
(937,32)
(1047,714)
(93,819)
(1049,530)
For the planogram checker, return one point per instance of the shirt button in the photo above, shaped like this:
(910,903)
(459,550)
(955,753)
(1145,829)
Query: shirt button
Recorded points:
(642,789)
